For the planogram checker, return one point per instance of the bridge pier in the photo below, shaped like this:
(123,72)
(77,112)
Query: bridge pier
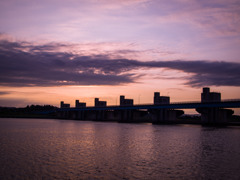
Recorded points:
(100,115)
(126,115)
(214,116)
(164,116)
(80,115)
(94,115)
(63,114)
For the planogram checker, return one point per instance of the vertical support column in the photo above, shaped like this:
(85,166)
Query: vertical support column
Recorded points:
(80,115)
(162,116)
(100,115)
(159,116)
(214,116)
(126,115)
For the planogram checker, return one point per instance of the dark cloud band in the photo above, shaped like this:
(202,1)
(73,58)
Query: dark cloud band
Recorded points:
(23,64)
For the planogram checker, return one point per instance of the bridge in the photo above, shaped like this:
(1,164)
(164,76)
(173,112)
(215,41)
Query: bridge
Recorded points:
(211,108)
(228,103)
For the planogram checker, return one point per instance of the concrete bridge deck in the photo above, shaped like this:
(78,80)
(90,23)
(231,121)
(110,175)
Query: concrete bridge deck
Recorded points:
(232,103)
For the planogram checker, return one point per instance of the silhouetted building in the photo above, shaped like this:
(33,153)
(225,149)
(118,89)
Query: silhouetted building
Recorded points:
(63,105)
(208,96)
(160,99)
(79,104)
(125,102)
(100,103)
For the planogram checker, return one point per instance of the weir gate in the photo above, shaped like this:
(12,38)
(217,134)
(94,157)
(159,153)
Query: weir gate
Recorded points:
(211,108)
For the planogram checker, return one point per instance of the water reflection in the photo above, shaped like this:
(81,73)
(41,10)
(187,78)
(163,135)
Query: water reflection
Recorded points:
(219,150)
(52,149)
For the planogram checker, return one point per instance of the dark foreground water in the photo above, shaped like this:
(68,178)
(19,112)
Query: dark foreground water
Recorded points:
(59,149)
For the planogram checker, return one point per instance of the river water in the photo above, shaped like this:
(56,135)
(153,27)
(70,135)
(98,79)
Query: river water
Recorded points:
(65,149)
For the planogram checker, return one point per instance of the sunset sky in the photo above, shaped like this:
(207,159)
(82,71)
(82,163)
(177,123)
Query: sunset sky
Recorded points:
(53,50)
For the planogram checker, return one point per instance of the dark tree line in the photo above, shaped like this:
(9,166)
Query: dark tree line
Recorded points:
(44,111)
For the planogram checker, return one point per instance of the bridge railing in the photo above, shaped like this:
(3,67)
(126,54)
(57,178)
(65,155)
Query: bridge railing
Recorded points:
(185,102)
(173,103)
(230,100)
(195,102)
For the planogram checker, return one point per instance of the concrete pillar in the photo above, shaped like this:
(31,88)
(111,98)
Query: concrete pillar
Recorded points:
(214,116)
(164,116)
(126,115)
(80,115)
(100,115)
(159,115)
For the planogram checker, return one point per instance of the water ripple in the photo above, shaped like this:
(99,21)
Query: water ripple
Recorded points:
(56,149)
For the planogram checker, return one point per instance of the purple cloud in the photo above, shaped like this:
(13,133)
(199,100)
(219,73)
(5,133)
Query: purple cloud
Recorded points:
(38,67)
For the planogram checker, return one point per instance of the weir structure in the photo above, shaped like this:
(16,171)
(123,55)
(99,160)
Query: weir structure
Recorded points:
(212,109)
(213,115)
